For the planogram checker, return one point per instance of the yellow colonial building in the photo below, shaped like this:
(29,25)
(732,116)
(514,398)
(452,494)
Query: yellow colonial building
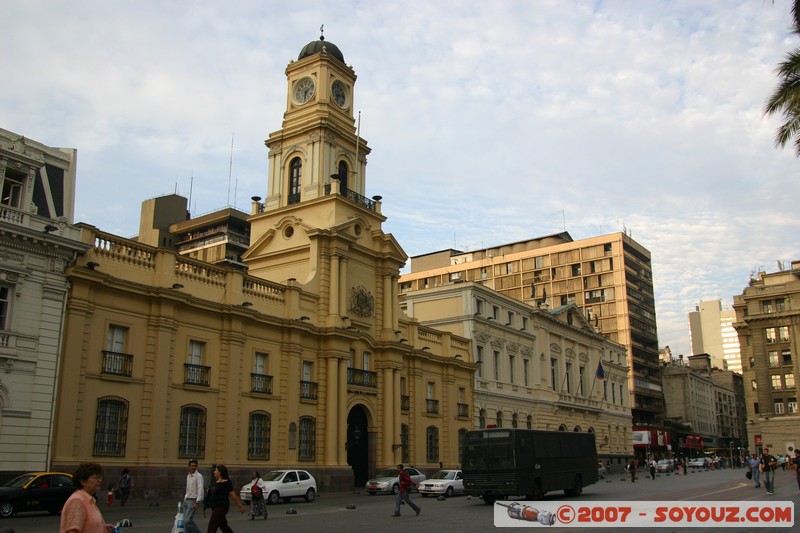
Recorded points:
(304,360)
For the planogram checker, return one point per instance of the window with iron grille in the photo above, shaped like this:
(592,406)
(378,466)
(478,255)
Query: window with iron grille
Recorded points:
(405,455)
(308,437)
(258,435)
(111,427)
(432,439)
(192,440)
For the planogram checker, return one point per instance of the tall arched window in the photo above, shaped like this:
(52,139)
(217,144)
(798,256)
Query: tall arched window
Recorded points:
(482,419)
(258,435)
(111,427)
(308,438)
(499,420)
(514,420)
(462,433)
(192,440)
(342,177)
(295,172)
(432,439)
(529,422)
(405,455)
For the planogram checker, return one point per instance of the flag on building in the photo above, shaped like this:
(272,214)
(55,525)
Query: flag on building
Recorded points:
(601,374)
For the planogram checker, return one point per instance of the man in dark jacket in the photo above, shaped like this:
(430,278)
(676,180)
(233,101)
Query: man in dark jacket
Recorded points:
(768,466)
(406,484)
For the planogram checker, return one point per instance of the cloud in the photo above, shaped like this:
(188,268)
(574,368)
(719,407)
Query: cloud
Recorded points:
(489,122)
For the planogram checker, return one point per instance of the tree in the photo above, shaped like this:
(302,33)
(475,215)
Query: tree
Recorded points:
(786,97)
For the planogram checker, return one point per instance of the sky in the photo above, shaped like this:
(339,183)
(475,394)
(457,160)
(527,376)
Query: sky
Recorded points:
(489,122)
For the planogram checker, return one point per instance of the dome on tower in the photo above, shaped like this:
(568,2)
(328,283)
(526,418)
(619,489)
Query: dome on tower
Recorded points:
(315,47)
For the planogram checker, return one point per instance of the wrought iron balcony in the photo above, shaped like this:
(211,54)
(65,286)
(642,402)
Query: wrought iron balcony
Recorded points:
(365,378)
(432,407)
(117,364)
(355,198)
(196,374)
(308,390)
(405,403)
(261,383)
(463,410)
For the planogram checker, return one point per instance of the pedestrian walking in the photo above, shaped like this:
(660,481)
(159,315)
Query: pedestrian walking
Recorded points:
(653,469)
(406,483)
(796,463)
(221,501)
(110,495)
(258,505)
(632,471)
(124,485)
(754,463)
(192,497)
(80,513)
(768,466)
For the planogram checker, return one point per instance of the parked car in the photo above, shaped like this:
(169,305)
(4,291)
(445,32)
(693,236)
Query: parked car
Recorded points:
(443,482)
(665,465)
(601,470)
(284,485)
(388,481)
(697,462)
(36,491)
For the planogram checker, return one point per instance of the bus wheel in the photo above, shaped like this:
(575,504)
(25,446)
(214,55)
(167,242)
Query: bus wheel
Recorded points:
(577,489)
(538,493)
(488,499)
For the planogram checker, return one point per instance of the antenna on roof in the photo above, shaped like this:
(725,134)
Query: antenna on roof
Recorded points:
(191,185)
(230,171)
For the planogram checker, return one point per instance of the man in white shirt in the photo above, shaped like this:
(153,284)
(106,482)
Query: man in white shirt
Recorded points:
(193,497)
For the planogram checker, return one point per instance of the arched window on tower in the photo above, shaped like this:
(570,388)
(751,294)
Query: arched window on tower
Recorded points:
(295,171)
(342,178)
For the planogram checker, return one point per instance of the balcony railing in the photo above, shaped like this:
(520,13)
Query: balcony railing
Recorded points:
(196,374)
(365,378)
(261,383)
(463,410)
(308,390)
(405,403)
(354,197)
(117,364)
(432,407)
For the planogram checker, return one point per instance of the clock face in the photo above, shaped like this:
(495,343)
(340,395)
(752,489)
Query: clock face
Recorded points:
(339,93)
(304,90)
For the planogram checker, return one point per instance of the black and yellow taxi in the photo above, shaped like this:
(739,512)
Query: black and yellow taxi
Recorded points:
(35,491)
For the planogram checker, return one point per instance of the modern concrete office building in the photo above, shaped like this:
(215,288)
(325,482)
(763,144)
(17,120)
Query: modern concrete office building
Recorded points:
(768,324)
(712,333)
(538,368)
(609,278)
(305,360)
(37,244)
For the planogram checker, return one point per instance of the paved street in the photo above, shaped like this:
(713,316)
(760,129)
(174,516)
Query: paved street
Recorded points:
(329,512)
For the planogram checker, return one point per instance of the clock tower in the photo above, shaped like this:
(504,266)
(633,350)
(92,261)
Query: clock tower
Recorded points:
(316,226)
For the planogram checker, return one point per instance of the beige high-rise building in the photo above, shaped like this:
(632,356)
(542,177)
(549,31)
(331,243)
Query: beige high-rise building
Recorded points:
(37,244)
(768,324)
(537,368)
(305,361)
(711,330)
(609,278)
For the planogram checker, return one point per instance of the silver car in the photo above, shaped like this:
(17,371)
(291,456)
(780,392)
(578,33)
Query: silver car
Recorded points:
(389,482)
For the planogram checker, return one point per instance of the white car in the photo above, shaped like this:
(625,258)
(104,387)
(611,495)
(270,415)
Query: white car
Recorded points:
(284,485)
(443,482)
(388,480)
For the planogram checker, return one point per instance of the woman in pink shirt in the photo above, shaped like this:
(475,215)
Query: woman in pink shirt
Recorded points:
(80,513)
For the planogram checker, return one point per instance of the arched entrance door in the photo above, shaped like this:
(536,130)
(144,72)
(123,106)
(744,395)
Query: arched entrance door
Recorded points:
(357,444)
